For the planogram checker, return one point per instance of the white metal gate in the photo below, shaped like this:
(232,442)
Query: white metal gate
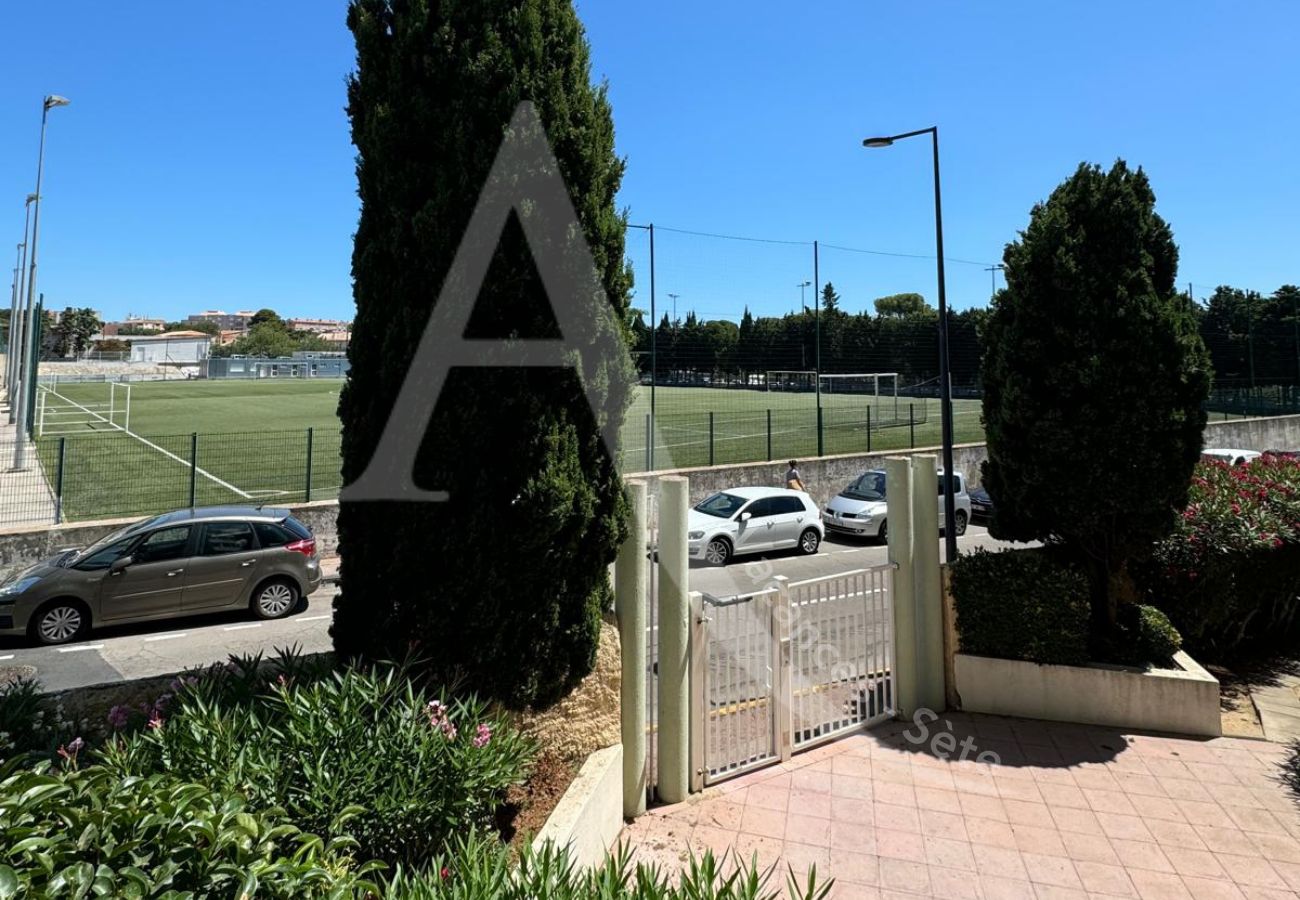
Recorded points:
(786,668)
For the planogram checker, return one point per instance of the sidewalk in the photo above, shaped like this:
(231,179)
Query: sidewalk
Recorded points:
(25,497)
(1070,813)
(1278,706)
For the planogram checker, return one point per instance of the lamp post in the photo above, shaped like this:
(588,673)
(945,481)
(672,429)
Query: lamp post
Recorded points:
(15,377)
(10,339)
(993,278)
(802,302)
(945,378)
(20,433)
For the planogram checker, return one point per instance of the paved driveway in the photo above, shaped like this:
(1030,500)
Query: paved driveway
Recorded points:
(1069,813)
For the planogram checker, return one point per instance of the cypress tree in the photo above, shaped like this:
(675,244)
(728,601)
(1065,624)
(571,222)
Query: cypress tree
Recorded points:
(501,587)
(1095,378)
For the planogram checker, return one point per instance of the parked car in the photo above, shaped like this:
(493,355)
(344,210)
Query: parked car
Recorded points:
(753,520)
(860,508)
(1229,456)
(176,564)
(981,505)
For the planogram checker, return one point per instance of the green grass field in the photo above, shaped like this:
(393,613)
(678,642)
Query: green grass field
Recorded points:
(252,438)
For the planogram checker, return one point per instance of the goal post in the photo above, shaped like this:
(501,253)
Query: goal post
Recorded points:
(74,408)
(791,380)
(864,383)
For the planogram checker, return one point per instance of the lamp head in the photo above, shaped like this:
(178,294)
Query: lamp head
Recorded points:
(54,100)
(876,143)
(31,198)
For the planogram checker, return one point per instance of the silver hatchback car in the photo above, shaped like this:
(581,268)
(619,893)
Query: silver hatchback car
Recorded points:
(181,563)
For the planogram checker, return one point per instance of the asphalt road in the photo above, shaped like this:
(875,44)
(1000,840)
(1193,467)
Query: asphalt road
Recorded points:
(138,651)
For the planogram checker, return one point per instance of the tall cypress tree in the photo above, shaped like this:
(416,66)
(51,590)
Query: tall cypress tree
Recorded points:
(501,587)
(1094,380)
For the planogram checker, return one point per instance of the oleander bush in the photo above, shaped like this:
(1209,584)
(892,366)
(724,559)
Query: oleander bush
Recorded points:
(30,722)
(1021,604)
(1229,575)
(411,769)
(70,832)
(476,866)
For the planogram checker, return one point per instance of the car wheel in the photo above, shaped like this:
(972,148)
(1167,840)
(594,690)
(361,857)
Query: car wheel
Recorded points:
(717,552)
(60,622)
(959,520)
(809,541)
(883,534)
(275,599)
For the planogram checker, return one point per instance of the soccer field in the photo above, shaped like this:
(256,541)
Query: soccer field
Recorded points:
(269,441)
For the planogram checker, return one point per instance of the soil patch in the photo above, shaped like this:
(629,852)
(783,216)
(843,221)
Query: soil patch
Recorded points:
(527,806)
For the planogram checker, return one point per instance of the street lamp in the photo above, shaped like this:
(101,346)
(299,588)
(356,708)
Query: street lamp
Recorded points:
(945,378)
(802,302)
(15,375)
(24,391)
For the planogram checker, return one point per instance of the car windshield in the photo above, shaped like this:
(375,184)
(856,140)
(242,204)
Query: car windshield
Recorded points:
(111,539)
(724,506)
(870,486)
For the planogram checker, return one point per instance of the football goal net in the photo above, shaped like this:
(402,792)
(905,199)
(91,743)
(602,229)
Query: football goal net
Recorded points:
(81,407)
(866,384)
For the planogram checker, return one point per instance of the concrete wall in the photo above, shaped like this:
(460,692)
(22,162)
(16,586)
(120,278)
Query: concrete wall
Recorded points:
(824,477)
(1180,701)
(589,817)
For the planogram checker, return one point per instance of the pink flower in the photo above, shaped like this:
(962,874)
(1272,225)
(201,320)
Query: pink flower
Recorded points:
(445,873)
(448,730)
(156,722)
(483,735)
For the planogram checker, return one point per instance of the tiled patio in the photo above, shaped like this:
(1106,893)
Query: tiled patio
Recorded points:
(1071,812)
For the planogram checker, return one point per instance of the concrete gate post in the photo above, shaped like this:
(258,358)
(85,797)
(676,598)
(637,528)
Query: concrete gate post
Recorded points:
(898,522)
(674,643)
(926,585)
(630,582)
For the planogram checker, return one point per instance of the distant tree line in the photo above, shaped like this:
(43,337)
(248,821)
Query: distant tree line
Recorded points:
(1253,340)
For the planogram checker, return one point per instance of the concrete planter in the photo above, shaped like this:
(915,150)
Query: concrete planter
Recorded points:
(1184,700)
(589,817)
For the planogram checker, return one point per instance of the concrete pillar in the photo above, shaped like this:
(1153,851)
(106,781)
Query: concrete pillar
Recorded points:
(898,520)
(674,644)
(630,582)
(926,584)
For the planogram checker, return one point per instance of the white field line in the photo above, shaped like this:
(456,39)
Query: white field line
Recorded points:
(313,618)
(80,648)
(167,637)
(206,474)
(242,627)
(3,658)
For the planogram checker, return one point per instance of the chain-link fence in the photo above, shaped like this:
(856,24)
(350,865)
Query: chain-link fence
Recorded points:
(116,474)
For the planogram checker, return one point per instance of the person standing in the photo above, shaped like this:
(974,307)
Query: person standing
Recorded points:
(793,481)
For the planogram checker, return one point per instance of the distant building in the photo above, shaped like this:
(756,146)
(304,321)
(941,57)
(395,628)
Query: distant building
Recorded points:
(236,321)
(228,336)
(174,347)
(134,324)
(317,326)
(303,364)
(338,340)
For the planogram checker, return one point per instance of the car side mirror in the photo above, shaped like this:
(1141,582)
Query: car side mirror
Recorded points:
(120,564)
(746,516)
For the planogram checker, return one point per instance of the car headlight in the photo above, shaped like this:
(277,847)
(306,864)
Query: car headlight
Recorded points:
(18,586)
(695,535)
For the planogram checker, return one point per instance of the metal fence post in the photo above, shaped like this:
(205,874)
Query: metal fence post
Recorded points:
(710,437)
(911,425)
(868,429)
(58,481)
(194,466)
(769,434)
(630,601)
(781,620)
(310,438)
(821,446)
(649,444)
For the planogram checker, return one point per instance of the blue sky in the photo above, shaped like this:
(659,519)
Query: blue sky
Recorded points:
(205,161)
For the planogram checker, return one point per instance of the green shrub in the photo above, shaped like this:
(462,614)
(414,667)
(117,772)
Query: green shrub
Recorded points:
(1146,636)
(479,867)
(1229,575)
(79,833)
(419,771)
(31,723)
(1021,604)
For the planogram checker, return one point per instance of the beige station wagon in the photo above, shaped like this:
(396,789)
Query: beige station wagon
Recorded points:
(181,563)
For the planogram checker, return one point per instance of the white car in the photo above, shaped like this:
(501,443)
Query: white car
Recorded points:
(1231,457)
(753,520)
(860,508)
